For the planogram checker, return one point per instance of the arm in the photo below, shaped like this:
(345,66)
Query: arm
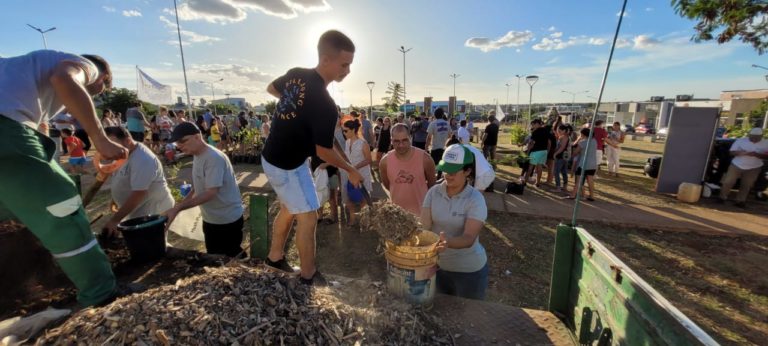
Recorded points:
(429,141)
(188,202)
(429,170)
(332,158)
(383,174)
(472,229)
(68,81)
(133,201)
(366,157)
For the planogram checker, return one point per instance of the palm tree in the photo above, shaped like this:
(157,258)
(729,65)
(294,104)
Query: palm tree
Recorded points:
(395,96)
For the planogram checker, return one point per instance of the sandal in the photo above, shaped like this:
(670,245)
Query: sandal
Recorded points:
(590,199)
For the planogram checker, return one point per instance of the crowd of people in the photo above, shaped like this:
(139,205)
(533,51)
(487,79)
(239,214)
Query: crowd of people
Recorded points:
(426,164)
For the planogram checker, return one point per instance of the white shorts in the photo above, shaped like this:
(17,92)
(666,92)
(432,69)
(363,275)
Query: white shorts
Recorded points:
(599,157)
(295,188)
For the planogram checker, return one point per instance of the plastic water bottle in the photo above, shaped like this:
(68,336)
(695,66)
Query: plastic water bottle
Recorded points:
(185,189)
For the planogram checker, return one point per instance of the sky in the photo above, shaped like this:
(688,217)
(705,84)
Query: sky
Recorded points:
(486,43)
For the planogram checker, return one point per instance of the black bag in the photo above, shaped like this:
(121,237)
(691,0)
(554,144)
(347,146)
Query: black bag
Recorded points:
(514,188)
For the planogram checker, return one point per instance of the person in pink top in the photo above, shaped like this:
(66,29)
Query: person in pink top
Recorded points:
(600,135)
(407,172)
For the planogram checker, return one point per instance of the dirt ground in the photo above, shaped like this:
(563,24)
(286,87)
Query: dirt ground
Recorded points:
(720,282)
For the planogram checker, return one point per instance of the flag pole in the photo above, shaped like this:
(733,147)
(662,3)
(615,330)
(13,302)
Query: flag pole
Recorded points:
(183,65)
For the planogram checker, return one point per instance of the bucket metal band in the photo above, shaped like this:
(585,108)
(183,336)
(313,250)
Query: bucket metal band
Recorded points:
(77,251)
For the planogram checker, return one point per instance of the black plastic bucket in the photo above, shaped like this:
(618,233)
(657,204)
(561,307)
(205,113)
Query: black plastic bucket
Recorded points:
(145,237)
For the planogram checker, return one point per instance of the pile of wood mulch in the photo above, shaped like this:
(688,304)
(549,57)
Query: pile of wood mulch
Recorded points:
(240,304)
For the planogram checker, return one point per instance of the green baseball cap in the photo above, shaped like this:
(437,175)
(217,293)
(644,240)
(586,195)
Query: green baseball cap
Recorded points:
(455,158)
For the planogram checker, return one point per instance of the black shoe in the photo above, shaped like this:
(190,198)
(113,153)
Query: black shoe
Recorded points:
(741,205)
(280,265)
(316,280)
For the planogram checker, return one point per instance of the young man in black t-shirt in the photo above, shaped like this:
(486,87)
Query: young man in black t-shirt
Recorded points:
(302,126)
(539,146)
(490,138)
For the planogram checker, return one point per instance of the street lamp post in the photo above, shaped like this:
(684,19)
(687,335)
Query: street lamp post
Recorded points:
(762,67)
(42,33)
(517,107)
(573,97)
(213,93)
(405,102)
(507,108)
(370,85)
(531,80)
(455,102)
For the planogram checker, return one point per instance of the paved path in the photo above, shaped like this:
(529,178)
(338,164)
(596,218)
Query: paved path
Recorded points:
(700,218)
(704,217)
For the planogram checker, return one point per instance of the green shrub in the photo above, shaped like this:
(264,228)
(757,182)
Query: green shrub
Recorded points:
(518,134)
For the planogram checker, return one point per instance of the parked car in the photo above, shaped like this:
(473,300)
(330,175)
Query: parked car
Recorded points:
(662,132)
(628,128)
(720,159)
(645,129)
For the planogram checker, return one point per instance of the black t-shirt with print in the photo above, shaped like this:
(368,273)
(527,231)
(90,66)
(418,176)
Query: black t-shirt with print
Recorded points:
(540,137)
(304,117)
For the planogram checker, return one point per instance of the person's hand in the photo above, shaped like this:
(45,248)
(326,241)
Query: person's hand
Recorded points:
(171,215)
(355,178)
(441,244)
(110,229)
(113,206)
(110,150)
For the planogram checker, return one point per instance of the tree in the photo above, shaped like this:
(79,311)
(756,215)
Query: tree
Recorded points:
(117,99)
(395,98)
(270,107)
(747,19)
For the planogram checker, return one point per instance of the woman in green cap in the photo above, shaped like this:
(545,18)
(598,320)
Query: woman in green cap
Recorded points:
(457,211)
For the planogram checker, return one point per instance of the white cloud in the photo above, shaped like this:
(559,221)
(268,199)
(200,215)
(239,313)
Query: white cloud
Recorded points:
(553,60)
(556,34)
(108,9)
(510,39)
(626,14)
(518,50)
(597,41)
(644,42)
(165,63)
(547,44)
(229,11)
(622,43)
(131,13)
(552,28)
(648,9)
(188,37)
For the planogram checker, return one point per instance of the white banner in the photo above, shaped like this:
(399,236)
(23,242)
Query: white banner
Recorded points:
(499,113)
(150,90)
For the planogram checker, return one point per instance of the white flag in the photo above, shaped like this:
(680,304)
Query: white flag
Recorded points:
(499,113)
(150,90)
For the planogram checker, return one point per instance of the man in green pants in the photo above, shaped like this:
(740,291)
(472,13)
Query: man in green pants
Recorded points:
(34,188)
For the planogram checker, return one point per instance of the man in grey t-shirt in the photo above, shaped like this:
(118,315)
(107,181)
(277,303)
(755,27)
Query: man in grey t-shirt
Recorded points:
(214,189)
(138,188)
(437,134)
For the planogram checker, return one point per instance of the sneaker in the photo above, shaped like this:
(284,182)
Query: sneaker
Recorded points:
(280,265)
(316,280)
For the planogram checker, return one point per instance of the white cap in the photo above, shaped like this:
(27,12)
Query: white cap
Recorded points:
(756,131)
